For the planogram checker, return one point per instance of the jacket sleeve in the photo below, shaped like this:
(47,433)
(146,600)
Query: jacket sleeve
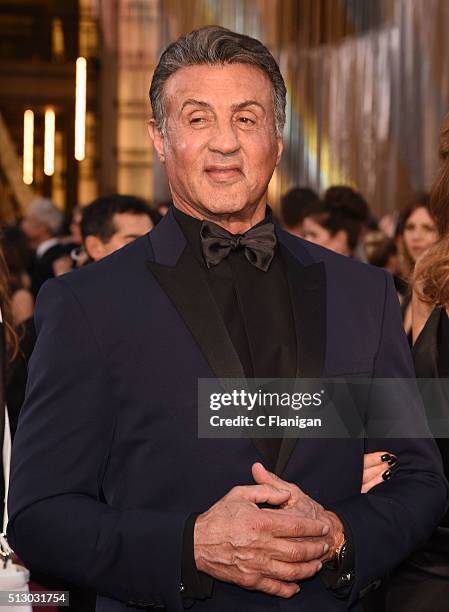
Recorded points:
(398,516)
(59,523)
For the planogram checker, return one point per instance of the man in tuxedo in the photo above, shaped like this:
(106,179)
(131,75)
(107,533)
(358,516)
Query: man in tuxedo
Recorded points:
(111,487)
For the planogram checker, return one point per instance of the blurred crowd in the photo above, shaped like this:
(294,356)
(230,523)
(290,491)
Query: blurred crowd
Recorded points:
(341,220)
(44,244)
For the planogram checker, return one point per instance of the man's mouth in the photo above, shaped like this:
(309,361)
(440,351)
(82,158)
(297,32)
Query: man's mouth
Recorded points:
(223,173)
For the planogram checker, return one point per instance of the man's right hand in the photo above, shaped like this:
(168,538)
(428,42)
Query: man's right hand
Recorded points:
(235,541)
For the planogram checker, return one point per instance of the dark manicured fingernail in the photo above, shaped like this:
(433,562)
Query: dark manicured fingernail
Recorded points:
(386,457)
(393,460)
(388,474)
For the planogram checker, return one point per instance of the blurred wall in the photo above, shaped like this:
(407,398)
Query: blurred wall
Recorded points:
(367,80)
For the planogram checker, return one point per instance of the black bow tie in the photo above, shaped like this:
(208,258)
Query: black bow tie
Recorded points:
(258,243)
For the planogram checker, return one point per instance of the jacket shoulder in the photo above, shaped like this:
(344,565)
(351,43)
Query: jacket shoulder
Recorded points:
(113,272)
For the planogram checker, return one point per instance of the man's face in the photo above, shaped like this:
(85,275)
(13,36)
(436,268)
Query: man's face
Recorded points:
(35,231)
(128,227)
(221,147)
(316,233)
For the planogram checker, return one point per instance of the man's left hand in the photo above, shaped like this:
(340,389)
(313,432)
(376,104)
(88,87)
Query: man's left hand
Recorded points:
(307,507)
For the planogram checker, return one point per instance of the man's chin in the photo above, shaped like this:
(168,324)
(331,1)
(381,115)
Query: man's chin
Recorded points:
(226,204)
(225,209)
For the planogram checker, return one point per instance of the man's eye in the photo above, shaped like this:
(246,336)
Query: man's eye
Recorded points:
(246,120)
(197,120)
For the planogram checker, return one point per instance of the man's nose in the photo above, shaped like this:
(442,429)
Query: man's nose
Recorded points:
(224,139)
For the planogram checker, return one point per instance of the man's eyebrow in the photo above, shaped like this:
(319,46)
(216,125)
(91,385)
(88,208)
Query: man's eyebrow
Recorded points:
(245,104)
(234,107)
(194,102)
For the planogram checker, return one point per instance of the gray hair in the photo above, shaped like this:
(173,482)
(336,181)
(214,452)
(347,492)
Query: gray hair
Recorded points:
(214,45)
(45,212)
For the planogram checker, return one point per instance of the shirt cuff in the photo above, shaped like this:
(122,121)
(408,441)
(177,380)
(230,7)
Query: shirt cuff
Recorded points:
(194,584)
(337,576)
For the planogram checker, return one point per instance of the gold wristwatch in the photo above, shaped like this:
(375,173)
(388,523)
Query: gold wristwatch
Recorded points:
(340,550)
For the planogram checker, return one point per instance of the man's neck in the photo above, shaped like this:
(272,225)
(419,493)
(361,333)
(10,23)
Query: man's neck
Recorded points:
(235,223)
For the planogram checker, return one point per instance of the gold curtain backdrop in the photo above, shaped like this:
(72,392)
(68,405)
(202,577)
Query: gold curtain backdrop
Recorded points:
(367,81)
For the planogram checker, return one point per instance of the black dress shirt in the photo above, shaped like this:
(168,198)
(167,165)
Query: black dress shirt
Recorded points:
(250,301)
(257,311)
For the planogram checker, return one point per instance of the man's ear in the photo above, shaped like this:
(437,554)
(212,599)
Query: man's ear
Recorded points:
(157,138)
(280,144)
(94,248)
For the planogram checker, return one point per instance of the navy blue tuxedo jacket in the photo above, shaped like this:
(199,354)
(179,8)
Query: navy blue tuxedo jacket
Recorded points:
(107,464)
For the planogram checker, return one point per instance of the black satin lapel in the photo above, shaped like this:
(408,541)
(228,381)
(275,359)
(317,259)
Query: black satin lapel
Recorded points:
(307,286)
(186,286)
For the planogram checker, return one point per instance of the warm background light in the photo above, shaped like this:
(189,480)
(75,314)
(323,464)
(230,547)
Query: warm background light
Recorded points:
(80,109)
(28,146)
(49,142)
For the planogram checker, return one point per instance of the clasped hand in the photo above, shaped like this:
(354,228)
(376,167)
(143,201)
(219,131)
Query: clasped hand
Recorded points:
(265,549)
